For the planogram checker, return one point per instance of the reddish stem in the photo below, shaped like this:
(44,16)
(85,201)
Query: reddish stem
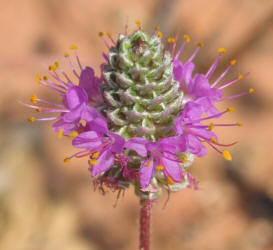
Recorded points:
(145,218)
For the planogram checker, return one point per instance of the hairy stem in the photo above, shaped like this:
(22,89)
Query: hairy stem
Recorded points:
(145,218)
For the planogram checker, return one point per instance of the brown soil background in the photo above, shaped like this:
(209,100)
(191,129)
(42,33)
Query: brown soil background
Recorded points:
(48,205)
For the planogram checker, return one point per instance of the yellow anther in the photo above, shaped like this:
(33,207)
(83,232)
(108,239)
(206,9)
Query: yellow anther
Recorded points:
(101,34)
(227,155)
(31,119)
(222,50)
(148,163)
(39,110)
(251,90)
(50,67)
(45,78)
(95,155)
(73,134)
(108,34)
(138,23)
(66,54)
(33,99)
(73,47)
(187,38)
(66,160)
(184,159)
(240,76)
(56,64)
(230,109)
(60,133)
(213,140)
(239,124)
(211,126)
(232,62)
(200,44)
(93,162)
(159,167)
(159,34)
(38,78)
(157,28)
(170,180)
(171,40)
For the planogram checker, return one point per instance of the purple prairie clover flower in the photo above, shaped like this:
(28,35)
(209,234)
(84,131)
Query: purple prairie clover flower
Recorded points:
(146,118)
(198,88)
(99,147)
(77,100)
(189,125)
(162,157)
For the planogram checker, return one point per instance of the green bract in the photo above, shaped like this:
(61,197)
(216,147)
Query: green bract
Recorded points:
(141,96)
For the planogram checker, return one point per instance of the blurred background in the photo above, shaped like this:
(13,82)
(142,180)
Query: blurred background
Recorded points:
(48,205)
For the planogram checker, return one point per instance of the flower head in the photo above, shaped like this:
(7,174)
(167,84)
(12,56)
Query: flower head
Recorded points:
(145,118)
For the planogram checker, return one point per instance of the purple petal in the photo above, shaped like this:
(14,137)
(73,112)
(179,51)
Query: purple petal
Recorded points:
(173,144)
(195,146)
(90,83)
(105,161)
(75,96)
(118,143)
(137,144)
(172,168)
(67,127)
(74,115)
(98,125)
(146,173)
(199,86)
(88,140)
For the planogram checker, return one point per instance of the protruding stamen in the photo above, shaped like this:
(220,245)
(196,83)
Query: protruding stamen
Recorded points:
(250,91)
(39,110)
(233,62)
(138,23)
(211,126)
(239,124)
(240,76)
(170,181)
(66,54)
(110,37)
(200,44)
(31,119)
(73,134)
(93,162)
(101,34)
(187,38)
(227,155)
(45,78)
(51,67)
(194,53)
(159,167)
(38,78)
(73,47)
(57,64)
(148,163)
(230,109)
(33,99)
(66,160)
(222,50)
(159,34)
(213,140)
(157,28)
(171,40)
(95,155)
(60,133)
(184,159)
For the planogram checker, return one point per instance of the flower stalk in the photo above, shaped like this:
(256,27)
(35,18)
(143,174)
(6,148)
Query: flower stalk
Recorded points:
(145,222)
